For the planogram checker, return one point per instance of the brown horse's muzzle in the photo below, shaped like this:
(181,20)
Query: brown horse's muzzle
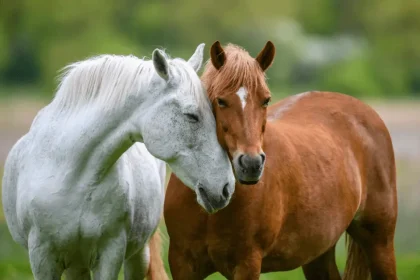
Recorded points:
(249,168)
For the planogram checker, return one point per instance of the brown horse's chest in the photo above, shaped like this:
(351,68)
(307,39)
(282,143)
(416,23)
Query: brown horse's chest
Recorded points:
(240,229)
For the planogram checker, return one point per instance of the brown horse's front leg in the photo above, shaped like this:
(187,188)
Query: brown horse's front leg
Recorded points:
(180,266)
(183,267)
(322,268)
(249,268)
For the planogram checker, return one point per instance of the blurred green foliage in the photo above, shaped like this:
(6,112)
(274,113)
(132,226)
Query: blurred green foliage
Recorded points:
(357,47)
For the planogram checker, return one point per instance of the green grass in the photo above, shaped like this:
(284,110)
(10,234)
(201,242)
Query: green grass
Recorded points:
(14,263)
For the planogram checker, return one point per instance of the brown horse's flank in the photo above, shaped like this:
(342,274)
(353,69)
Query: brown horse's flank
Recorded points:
(329,169)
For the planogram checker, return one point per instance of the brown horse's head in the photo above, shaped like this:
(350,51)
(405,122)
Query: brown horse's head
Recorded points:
(238,91)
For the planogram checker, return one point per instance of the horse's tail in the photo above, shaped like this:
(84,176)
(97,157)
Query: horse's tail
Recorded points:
(356,265)
(156,269)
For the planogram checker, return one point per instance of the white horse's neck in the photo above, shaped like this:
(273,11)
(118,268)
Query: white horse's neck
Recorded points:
(91,140)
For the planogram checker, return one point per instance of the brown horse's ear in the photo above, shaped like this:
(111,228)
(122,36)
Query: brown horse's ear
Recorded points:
(266,56)
(217,54)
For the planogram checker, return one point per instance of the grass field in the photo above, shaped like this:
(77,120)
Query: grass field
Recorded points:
(402,118)
(14,263)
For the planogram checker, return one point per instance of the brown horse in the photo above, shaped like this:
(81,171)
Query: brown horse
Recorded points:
(322,164)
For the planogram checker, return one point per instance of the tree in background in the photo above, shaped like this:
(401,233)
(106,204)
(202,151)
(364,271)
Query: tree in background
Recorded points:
(357,47)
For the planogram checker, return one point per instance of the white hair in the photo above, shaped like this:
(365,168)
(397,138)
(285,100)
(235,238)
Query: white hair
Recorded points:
(108,80)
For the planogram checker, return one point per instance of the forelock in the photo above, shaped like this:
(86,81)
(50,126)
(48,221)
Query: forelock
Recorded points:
(239,70)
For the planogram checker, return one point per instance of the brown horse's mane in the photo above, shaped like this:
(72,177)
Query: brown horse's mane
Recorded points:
(239,70)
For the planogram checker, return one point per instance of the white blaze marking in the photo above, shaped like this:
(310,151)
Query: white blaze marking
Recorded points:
(242,93)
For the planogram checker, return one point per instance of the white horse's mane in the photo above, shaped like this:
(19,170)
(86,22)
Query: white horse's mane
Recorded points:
(108,80)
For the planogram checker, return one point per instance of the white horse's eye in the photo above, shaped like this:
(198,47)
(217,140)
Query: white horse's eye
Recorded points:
(192,117)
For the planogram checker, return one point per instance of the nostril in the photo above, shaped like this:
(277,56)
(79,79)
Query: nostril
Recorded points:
(202,192)
(225,191)
(262,158)
(240,160)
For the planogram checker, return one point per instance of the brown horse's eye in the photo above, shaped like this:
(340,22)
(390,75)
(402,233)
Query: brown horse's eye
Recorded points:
(265,104)
(221,103)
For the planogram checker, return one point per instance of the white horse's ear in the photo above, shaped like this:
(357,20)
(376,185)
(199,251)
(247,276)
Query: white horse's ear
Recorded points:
(197,58)
(160,64)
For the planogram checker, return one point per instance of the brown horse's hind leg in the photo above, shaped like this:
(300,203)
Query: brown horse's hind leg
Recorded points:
(371,248)
(374,249)
(372,231)
(382,261)
(323,267)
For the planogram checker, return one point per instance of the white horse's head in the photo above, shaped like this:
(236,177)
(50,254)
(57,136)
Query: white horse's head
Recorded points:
(180,129)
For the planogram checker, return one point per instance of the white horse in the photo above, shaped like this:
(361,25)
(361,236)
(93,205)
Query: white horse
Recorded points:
(81,195)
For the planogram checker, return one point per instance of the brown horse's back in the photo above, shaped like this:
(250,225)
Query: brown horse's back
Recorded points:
(352,124)
(348,119)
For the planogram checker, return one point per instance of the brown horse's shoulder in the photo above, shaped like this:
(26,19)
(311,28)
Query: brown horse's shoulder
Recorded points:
(282,107)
